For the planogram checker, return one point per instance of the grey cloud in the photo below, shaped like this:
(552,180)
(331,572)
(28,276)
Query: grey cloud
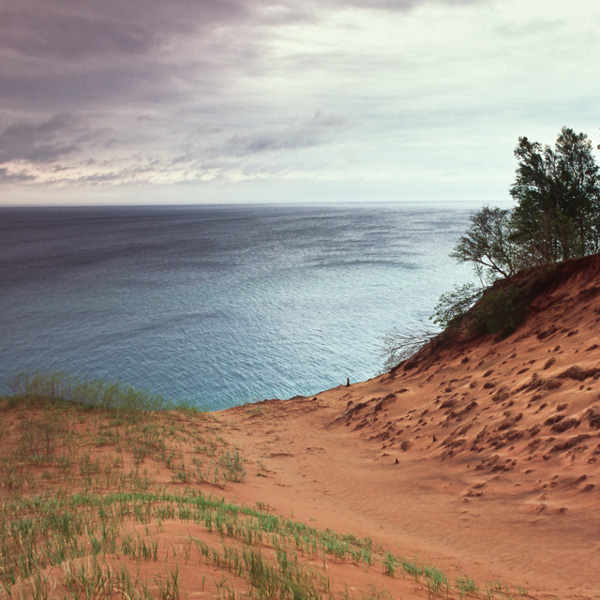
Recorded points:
(293,137)
(77,29)
(69,36)
(69,54)
(524,29)
(101,87)
(40,142)
(6,177)
(390,5)
(242,145)
(100,178)
(213,86)
(72,29)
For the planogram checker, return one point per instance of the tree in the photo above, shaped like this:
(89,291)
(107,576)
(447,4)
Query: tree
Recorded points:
(558,199)
(488,244)
(534,217)
(557,212)
(556,217)
(578,175)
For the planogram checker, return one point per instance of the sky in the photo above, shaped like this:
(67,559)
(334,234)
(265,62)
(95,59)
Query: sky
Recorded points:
(219,101)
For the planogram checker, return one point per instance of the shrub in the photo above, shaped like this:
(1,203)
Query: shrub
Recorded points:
(453,306)
(500,311)
(398,346)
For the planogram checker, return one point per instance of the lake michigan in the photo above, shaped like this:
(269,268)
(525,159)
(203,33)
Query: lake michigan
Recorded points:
(220,305)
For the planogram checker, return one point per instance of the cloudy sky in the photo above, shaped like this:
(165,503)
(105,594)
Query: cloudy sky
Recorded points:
(143,101)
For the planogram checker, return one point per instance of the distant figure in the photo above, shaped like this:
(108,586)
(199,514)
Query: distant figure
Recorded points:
(348,382)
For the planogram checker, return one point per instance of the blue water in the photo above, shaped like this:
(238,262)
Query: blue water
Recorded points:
(219,305)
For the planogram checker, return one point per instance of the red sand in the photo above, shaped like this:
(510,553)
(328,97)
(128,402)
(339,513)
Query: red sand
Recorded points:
(478,456)
(481,459)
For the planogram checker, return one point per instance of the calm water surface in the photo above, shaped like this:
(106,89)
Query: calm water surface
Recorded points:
(219,305)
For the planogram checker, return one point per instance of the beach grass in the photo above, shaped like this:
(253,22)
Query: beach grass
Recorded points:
(106,492)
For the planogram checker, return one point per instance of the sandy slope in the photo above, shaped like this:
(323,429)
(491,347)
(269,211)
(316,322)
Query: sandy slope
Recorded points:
(479,456)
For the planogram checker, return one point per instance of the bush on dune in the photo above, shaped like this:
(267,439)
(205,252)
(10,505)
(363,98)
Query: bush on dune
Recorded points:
(556,217)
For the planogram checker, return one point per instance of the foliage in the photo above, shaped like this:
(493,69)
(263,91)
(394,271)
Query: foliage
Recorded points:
(556,216)
(232,464)
(398,346)
(86,391)
(489,245)
(389,564)
(558,199)
(466,585)
(75,524)
(500,311)
(452,306)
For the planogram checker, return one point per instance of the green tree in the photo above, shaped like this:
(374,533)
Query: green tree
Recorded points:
(557,192)
(579,177)
(489,245)
(556,217)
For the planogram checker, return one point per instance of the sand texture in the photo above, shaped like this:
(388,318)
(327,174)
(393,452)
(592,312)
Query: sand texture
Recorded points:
(480,456)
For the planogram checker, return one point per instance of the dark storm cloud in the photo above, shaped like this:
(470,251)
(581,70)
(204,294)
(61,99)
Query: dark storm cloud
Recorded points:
(99,87)
(77,55)
(68,36)
(75,29)
(70,54)
(63,55)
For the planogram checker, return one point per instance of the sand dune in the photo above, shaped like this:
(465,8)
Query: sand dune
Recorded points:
(474,464)
(478,455)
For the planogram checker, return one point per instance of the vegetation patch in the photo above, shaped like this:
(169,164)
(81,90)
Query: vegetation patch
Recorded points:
(514,252)
(115,498)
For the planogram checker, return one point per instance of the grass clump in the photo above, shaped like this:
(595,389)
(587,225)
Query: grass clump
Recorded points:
(497,309)
(389,564)
(465,586)
(232,464)
(435,580)
(86,391)
(500,311)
